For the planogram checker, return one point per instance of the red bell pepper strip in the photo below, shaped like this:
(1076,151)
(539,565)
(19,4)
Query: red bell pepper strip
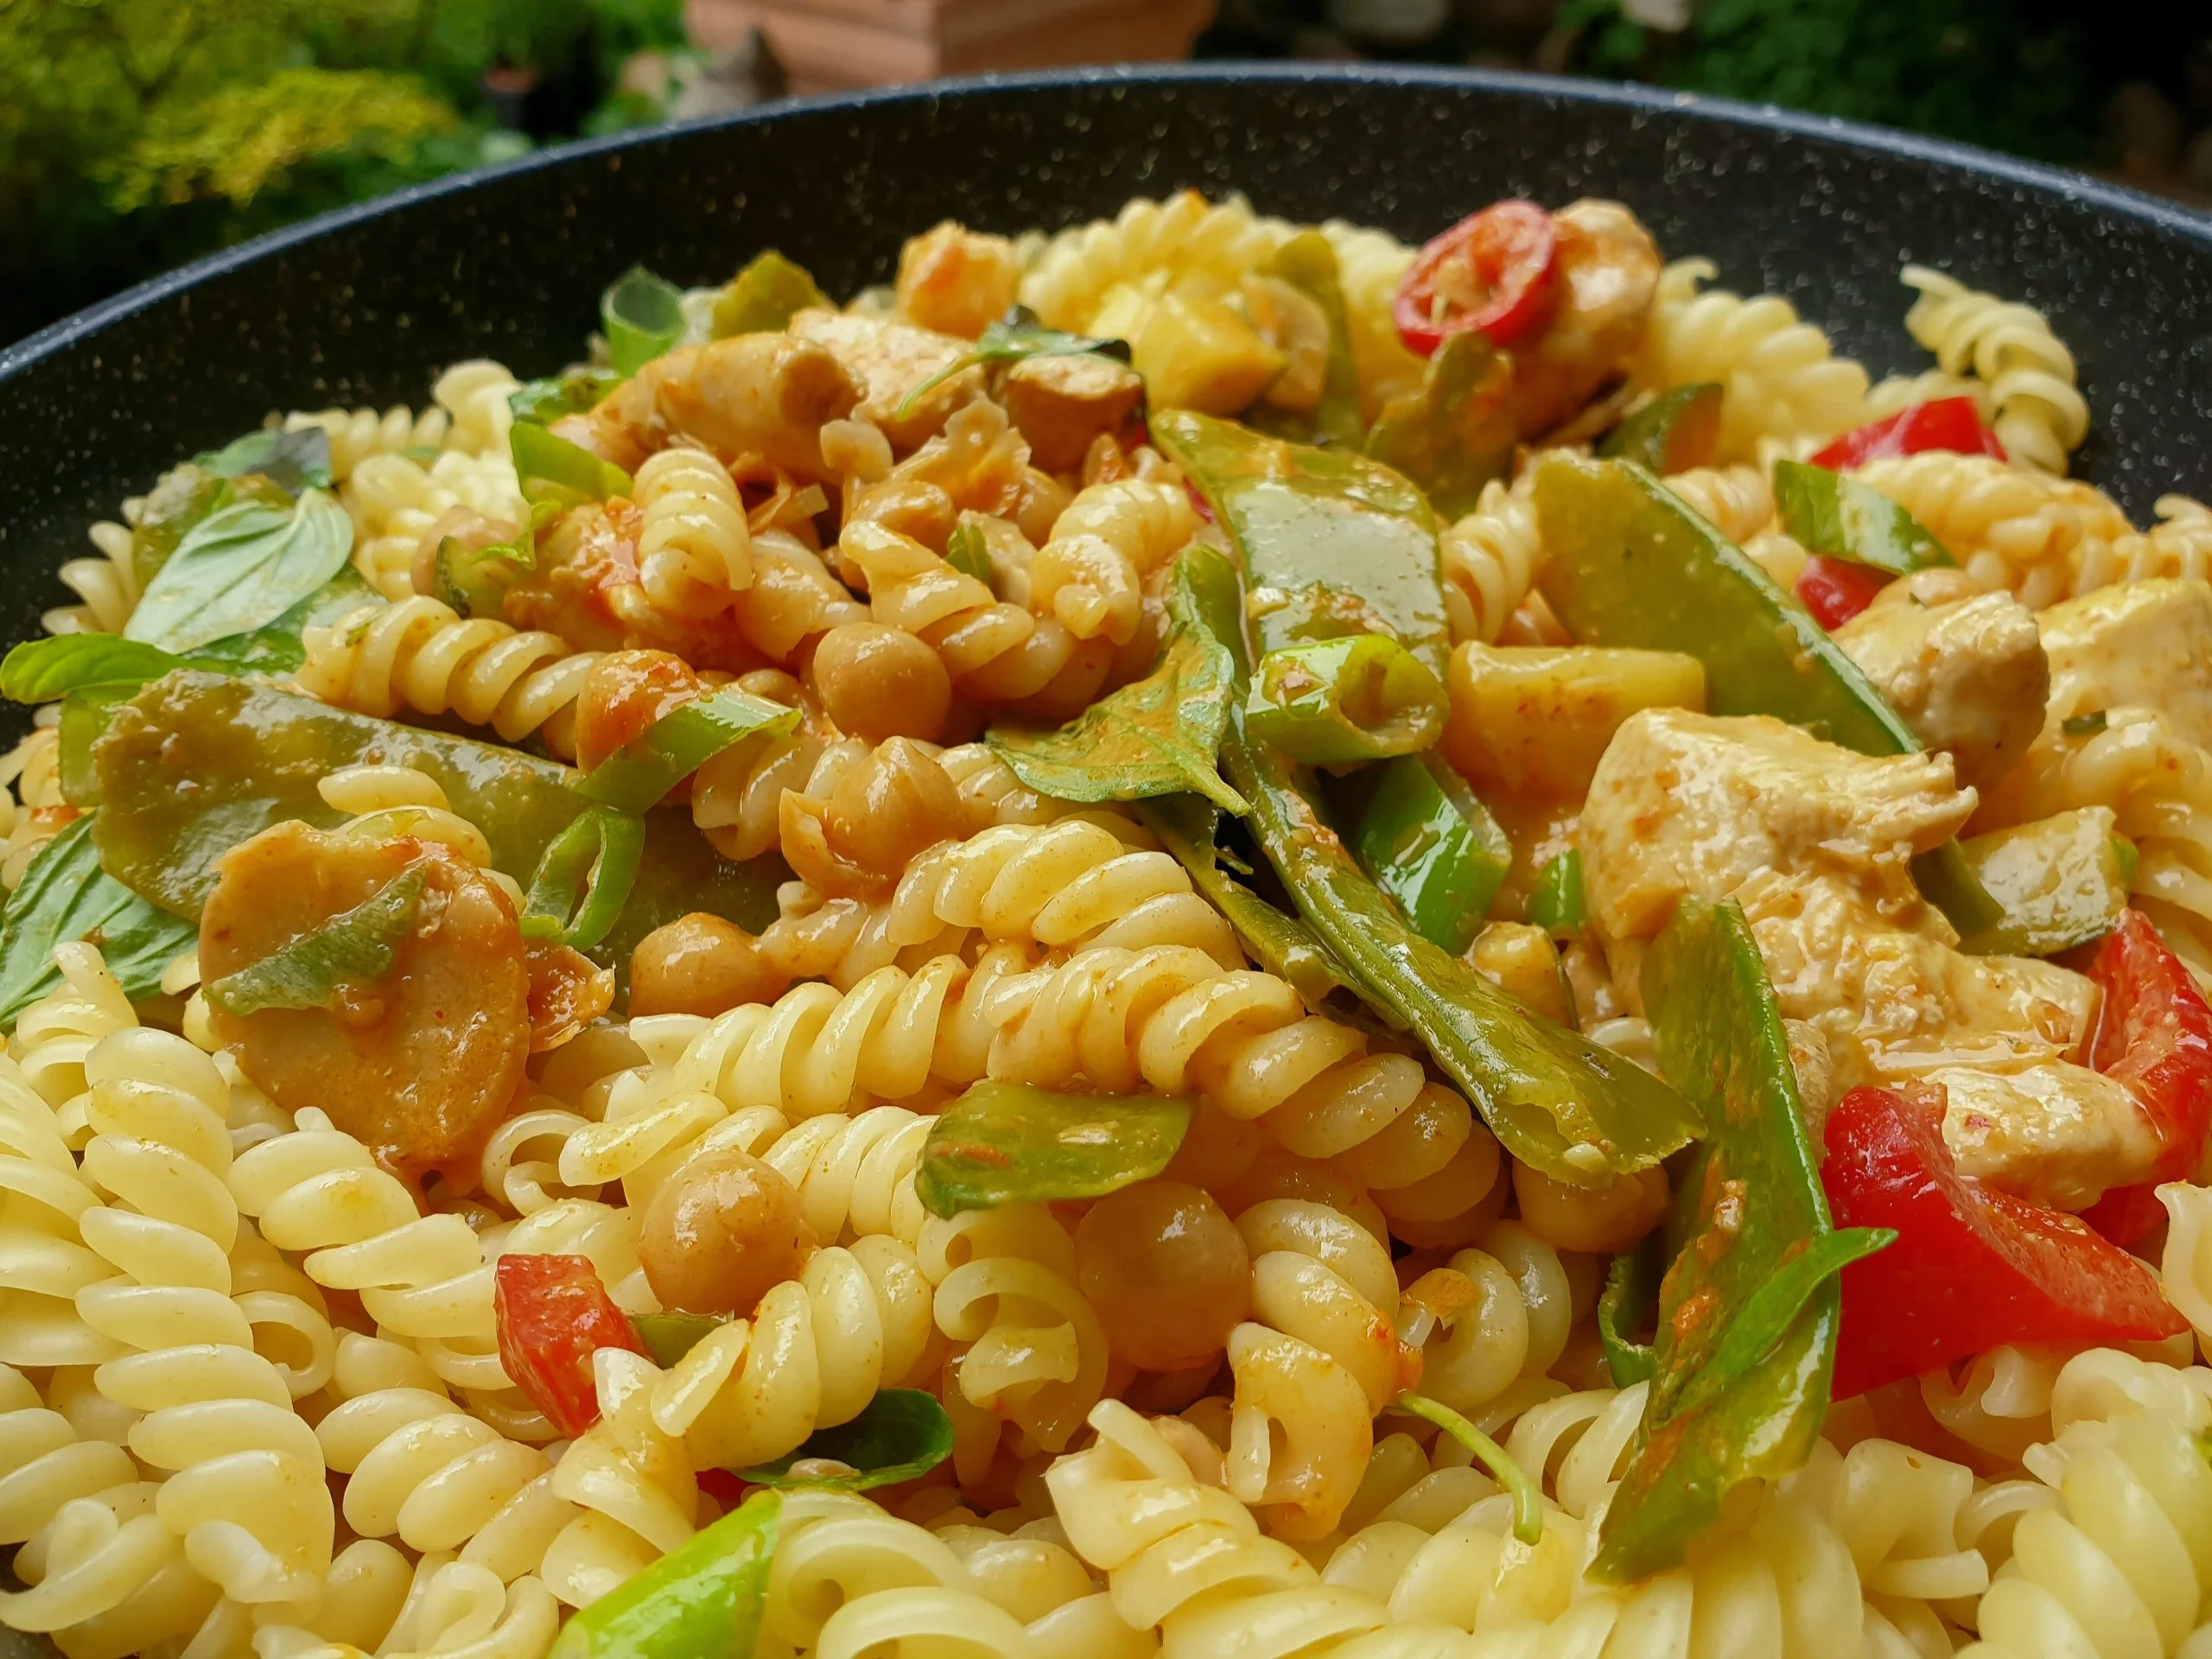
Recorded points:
(1835,590)
(1495,273)
(2155,1035)
(1952,424)
(553,1314)
(1972,1268)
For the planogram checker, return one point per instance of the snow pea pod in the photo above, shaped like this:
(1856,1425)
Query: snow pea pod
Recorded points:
(1431,845)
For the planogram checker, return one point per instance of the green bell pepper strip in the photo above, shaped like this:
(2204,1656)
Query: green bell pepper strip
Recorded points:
(643,315)
(1678,429)
(1308,263)
(551,470)
(1430,844)
(640,773)
(1339,702)
(1629,1304)
(1840,517)
(1527,1495)
(1726,1408)
(1631,564)
(2061,880)
(1334,543)
(256,753)
(765,296)
(599,852)
(1454,432)
(705,1596)
(1555,904)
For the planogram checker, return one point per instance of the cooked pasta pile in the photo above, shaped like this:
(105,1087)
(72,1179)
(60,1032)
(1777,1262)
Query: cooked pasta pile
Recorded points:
(1197,936)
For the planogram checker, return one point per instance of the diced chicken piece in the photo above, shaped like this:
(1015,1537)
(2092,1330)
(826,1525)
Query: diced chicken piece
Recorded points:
(1697,803)
(956,280)
(1061,404)
(752,394)
(2145,645)
(1967,675)
(1608,272)
(888,360)
(2060,1134)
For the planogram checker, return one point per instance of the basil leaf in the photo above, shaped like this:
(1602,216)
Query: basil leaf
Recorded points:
(39,671)
(1017,335)
(643,317)
(545,401)
(902,1433)
(1629,1304)
(679,743)
(296,461)
(966,551)
(64,896)
(276,647)
(1008,1143)
(765,296)
(669,1337)
(354,947)
(239,568)
(551,469)
(1158,735)
(599,852)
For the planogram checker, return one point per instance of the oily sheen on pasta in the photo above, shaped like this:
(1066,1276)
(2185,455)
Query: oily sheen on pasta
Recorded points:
(1197,936)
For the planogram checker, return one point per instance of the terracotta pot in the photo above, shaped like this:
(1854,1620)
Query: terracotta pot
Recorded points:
(829,44)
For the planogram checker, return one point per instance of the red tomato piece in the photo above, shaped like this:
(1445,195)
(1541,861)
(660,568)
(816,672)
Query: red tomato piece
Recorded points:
(2155,1035)
(1495,273)
(724,1487)
(1972,1267)
(553,1314)
(1952,424)
(1835,590)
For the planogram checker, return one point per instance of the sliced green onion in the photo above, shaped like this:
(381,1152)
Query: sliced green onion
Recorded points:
(643,315)
(680,742)
(551,469)
(354,947)
(765,296)
(546,401)
(597,853)
(1338,702)
(474,580)
(967,552)
(1528,1497)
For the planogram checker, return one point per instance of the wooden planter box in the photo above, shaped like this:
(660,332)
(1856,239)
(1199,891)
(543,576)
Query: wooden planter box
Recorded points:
(828,44)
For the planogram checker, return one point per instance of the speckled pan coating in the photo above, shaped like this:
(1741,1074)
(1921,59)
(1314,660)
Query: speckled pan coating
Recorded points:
(363,306)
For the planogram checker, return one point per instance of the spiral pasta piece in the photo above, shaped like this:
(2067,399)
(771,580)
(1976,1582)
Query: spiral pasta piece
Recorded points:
(246,1491)
(2040,414)
(473,394)
(1089,574)
(394,500)
(695,551)
(1490,558)
(106,584)
(55,1034)
(2009,529)
(1173,1019)
(34,813)
(1185,237)
(1370,264)
(42,1263)
(1778,374)
(2178,545)
(356,435)
(1489,1360)
(421,655)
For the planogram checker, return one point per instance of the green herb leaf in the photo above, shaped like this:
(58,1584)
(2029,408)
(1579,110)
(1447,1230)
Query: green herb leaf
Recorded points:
(1338,701)
(2086,725)
(64,896)
(669,1337)
(1158,735)
(680,742)
(1725,1409)
(354,947)
(643,315)
(704,1596)
(294,460)
(552,470)
(598,853)
(1008,1143)
(901,1434)
(544,402)
(40,670)
(239,568)
(1829,513)
(276,647)
(1454,432)
(765,296)
(1527,1495)
(1678,429)
(1629,1304)
(1555,903)
(967,552)
(1016,335)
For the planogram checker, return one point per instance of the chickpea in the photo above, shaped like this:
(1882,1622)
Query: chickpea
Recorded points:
(879,682)
(699,965)
(892,806)
(624,694)
(722,1232)
(1606,1217)
(1167,1271)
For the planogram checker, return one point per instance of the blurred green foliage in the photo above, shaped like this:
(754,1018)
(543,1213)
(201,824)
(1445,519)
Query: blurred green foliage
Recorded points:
(137,134)
(1980,71)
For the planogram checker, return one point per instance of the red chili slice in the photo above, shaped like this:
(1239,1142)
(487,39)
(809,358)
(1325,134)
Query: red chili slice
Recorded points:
(1952,424)
(553,1314)
(1835,590)
(1495,273)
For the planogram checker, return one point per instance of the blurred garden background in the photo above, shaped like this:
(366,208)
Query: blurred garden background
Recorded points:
(137,134)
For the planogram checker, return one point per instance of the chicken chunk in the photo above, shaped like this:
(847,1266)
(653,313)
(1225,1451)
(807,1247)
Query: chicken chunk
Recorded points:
(888,360)
(1060,404)
(1968,675)
(752,394)
(956,280)
(2145,645)
(1608,273)
(2057,1133)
